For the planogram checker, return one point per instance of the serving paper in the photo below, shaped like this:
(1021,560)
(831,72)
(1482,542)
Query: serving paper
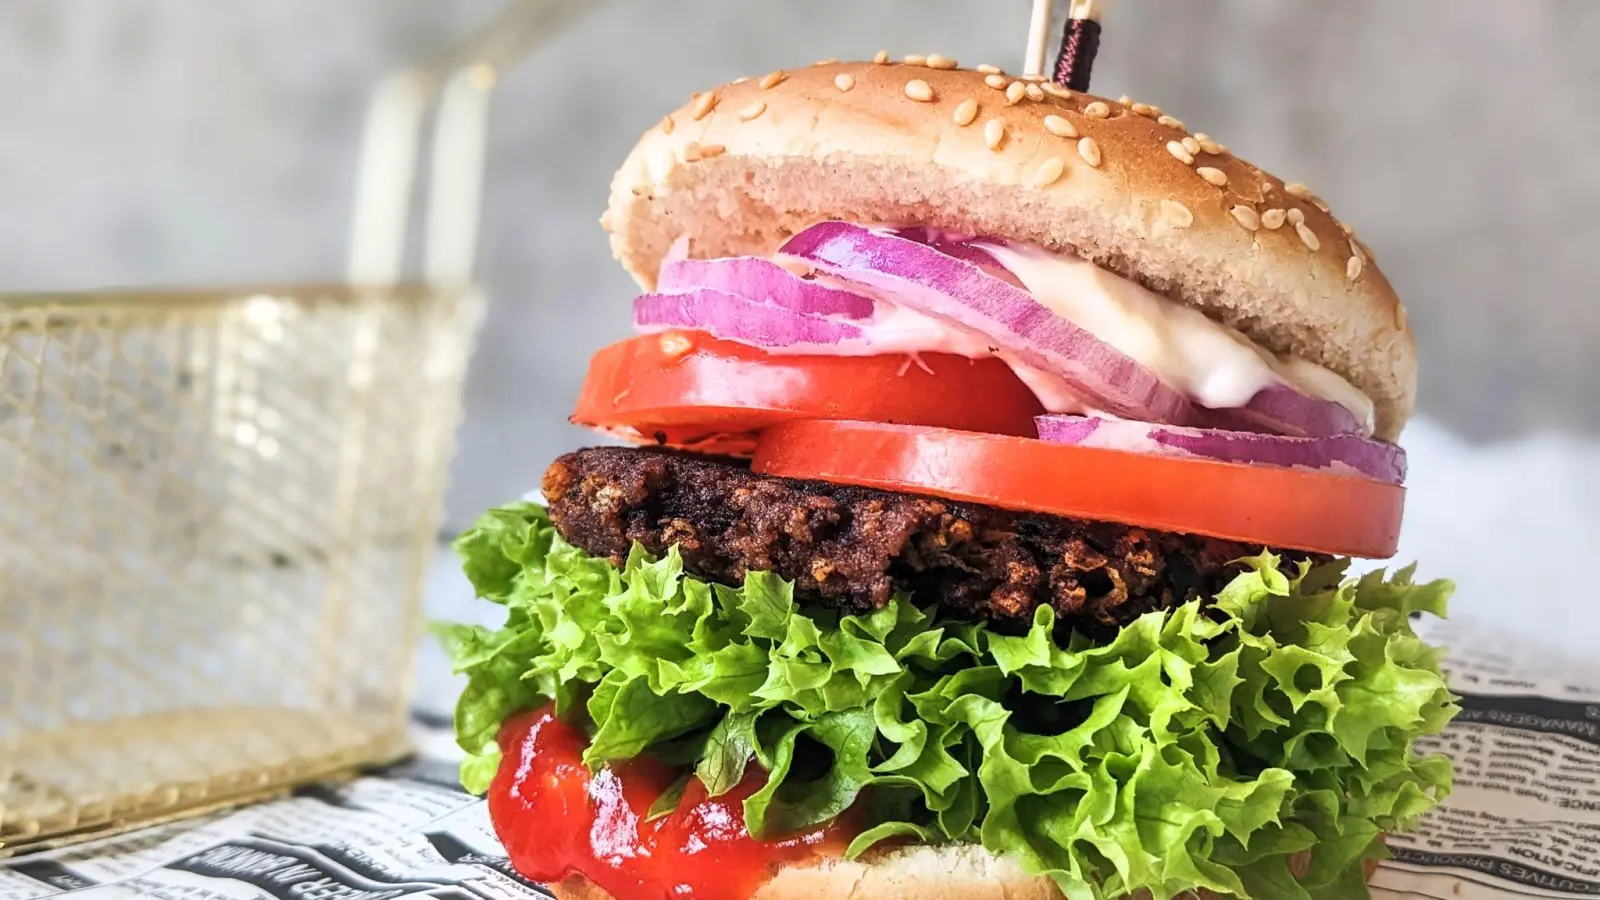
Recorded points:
(1524,820)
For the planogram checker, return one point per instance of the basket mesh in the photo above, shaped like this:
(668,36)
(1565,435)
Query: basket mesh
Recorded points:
(215,510)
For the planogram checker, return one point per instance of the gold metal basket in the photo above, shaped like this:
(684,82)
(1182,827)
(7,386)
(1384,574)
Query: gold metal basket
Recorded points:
(217,506)
(217,511)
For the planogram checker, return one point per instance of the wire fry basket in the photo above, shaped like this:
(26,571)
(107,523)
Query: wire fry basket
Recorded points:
(217,506)
(217,510)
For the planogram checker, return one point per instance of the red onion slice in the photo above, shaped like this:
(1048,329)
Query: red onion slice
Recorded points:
(1345,454)
(961,247)
(1283,409)
(738,319)
(762,281)
(932,282)
(1280,408)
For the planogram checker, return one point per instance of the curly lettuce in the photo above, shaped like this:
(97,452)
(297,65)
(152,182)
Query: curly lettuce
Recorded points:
(1203,747)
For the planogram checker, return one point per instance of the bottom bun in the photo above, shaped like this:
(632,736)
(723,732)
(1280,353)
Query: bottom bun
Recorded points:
(951,872)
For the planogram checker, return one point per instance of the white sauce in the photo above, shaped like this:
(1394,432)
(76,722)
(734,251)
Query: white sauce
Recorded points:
(899,329)
(1212,364)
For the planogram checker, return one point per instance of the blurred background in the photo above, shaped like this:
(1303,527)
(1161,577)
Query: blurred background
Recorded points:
(205,141)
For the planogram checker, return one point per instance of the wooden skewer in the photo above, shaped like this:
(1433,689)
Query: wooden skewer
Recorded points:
(1038,38)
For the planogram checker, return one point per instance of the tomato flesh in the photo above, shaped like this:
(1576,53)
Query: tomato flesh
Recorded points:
(1263,505)
(687,389)
(557,820)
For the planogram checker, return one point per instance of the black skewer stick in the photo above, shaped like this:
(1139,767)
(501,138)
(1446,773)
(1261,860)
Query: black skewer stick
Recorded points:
(1080,41)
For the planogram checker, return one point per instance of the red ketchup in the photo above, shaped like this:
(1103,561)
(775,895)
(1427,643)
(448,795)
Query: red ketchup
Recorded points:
(557,819)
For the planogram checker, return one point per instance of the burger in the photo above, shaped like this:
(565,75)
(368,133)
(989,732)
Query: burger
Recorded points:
(993,455)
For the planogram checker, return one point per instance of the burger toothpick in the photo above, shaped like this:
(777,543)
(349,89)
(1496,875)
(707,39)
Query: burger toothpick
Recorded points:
(1080,41)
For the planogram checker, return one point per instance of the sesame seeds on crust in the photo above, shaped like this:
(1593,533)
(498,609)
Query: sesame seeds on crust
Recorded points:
(1090,151)
(1028,111)
(994,133)
(965,112)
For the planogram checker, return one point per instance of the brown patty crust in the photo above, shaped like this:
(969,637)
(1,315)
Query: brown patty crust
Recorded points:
(853,548)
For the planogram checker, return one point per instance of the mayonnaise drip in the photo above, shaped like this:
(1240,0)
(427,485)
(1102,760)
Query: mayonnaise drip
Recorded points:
(1214,365)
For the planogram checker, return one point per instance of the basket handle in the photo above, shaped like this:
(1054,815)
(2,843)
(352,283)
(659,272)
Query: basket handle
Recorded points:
(461,82)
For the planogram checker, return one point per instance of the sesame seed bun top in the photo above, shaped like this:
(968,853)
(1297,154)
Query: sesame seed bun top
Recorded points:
(744,166)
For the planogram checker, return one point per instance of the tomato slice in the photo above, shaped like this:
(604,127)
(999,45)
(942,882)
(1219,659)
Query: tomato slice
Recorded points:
(686,388)
(1274,507)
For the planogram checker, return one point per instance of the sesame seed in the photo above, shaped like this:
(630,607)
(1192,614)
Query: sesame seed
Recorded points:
(740,80)
(1213,176)
(882,58)
(1297,217)
(1059,127)
(1145,109)
(918,90)
(1176,213)
(693,152)
(1050,172)
(844,81)
(1353,267)
(1247,217)
(771,80)
(914,59)
(1097,110)
(667,124)
(1348,228)
(1210,146)
(1179,151)
(966,112)
(1191,145)
(998,82)
(1125,100)
(1090,151)
(1035,93)
(752,111)
(704,104)
(940,61)
(1039,78)
(994,133)
(1297,189)
(1272,219)
(1055,90)
(825,62)
(987,69)
(1170,122)
(1307,237)
(1015,92)
(1320,204)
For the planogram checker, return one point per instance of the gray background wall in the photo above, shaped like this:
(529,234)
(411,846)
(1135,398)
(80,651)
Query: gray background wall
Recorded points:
(185,141)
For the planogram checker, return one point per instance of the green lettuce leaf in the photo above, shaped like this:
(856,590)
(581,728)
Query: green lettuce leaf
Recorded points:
(1201,747)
